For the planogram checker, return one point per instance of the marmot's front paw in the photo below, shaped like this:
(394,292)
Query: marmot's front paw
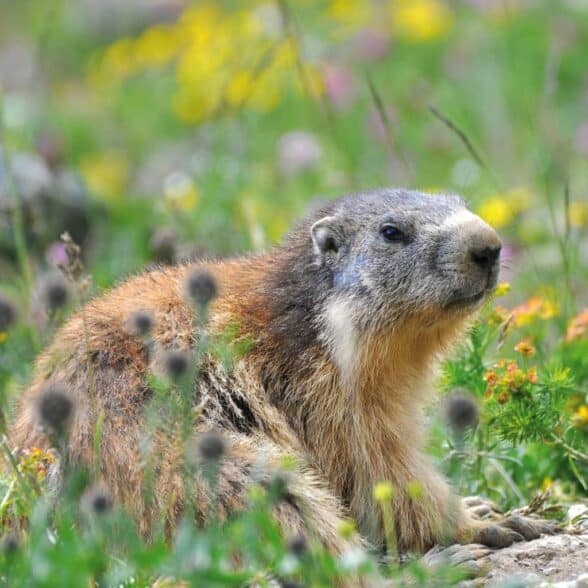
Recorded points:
(510,529)
(479,508)
(469,558)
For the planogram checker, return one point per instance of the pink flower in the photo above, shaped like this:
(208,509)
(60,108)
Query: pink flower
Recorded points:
(298,151)
(340,86)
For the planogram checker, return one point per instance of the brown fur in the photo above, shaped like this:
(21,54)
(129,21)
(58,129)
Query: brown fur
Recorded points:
(344,451)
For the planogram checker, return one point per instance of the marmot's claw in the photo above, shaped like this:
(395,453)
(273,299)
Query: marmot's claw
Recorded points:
(478,507)
(497,535)
(530,528)
(469,558)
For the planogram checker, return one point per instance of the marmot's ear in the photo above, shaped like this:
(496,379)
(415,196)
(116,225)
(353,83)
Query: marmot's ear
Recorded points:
(327,235)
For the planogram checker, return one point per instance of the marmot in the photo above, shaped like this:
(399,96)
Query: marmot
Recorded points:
(345,323)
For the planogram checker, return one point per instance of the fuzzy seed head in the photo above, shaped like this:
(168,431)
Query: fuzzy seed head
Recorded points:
(461,411)
(297,545)
(55,407)
(163,244)
(211,446)
(201,287)
(55,292)
(10,543)
(141,323)
(176,363)
(8,314)
(97,500)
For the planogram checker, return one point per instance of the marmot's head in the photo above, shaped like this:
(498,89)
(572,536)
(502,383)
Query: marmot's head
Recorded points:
(395,254)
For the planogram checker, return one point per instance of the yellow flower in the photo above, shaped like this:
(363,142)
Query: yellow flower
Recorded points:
(347,529)
(496,211)
(180,192)
(502,289)
(414,490)
(534,308)
(525,348)
(105,173)
(578,214)
(420,20)
(580,417)
(383,491)
(3,337)
(349,15)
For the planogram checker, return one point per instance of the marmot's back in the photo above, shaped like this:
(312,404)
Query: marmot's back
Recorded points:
(342,326)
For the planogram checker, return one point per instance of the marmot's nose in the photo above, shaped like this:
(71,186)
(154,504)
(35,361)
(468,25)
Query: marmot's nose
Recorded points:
(485,256)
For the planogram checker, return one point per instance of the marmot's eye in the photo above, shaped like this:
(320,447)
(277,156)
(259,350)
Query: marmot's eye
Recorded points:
(392,233)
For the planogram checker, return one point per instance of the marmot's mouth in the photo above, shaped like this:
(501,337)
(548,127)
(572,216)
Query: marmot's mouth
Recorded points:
(465,301)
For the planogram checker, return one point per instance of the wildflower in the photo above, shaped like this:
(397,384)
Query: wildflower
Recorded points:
(141,323)
(414,489)
(525,348)
(534,308)
(297,545)
(10,543)
(176,363)
(180,192)
(502,289)
(201,287)
(420,20)
(163,244)
(298,151)
(383,492)
(349,15)
(461,411)
(347,529)
(532,375)
(578,214)
(97,500)
(491,377)
(106,174)
(496,211)
(55,408)
(55,292)
(503,397)
(340,86)
(576,328)
(580,416)
(8,314)
(211,446)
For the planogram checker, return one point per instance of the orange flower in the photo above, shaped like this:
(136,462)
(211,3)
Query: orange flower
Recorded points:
(525,348)
(534,308)
(503,397)
(532,375)
(578,326)
(490,377)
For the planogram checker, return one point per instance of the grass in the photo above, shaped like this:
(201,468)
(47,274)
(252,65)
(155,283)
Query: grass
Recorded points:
(183,137)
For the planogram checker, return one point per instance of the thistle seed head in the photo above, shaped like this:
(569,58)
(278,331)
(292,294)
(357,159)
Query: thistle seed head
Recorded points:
(97,500)
(176,363)
(211,446)
(163,244)
(8,313)
(55,292)
(55,407)
(201,287)
(297,545)
(461,411)
(141,323)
